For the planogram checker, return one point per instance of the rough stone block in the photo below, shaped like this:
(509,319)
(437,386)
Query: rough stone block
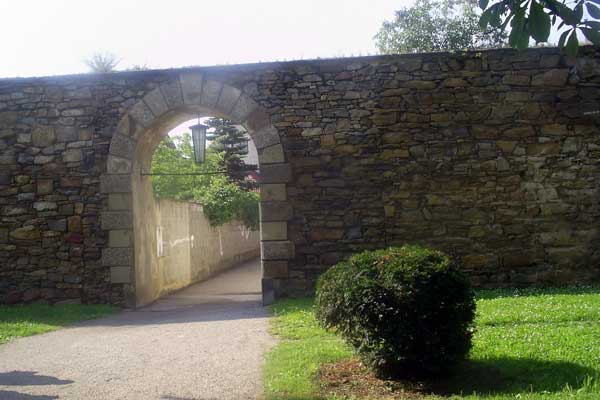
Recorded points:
(273,192)
(282,250)
(191,87)
(74,223)
(45,186)
(116,220)
(45,205)
(119,201)
(118,165)
(275,211)
(156,102)
(122,146)
(273,231)
(128,126)
(67,134)
(275,173)
(120,274)
(211,91)
(257,119)
(275,269)
(319,234)
(271,155)
(268,288)
(115,183)
(43,136)
(72,155)
(243,108)
(116,257)
(172,94)
(26,233)
(120,238)
(265,137)
(9,159)
(543,149)
(554,77)
(59,225)
(142,114)
(229,96)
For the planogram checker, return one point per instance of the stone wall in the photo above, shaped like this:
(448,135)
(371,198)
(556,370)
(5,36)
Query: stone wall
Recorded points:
(492,156)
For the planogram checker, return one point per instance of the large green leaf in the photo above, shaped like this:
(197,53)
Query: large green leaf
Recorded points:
(578,11)
(593,10)
(483,4)
(563,38)
(572,44)
(591,35)
(593,24)
(518,34)
(539,22)
(484,20)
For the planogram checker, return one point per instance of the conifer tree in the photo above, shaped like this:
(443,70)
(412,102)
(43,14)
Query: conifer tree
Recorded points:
(233,142)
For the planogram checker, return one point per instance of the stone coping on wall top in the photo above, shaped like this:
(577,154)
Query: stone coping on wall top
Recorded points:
(587,49)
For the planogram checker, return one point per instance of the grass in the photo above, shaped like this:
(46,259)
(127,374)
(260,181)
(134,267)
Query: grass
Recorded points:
(31,319)
(529,344)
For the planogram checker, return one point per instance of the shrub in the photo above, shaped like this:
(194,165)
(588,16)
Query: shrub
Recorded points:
(406,310)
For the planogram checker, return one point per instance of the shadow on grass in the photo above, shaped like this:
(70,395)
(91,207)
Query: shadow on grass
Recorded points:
(511,376)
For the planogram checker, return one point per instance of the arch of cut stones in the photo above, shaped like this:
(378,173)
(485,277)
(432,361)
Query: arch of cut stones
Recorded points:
(130,153)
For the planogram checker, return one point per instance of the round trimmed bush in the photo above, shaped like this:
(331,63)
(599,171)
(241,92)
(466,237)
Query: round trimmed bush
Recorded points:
(407,310)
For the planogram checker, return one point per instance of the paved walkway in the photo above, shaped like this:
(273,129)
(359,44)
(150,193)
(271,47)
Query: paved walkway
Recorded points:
(204,342)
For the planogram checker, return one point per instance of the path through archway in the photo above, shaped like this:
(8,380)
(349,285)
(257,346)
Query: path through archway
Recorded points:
(131,228)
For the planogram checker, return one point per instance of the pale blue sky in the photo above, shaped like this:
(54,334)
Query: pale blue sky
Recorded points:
(49,37)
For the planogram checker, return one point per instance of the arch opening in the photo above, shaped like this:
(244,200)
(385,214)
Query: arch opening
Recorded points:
(131,219)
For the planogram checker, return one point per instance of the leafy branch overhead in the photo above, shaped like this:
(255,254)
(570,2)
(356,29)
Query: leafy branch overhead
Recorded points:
(533,19)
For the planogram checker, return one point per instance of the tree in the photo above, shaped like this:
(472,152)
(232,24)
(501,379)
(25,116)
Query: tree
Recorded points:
(222,201)
(436,25)
(533,19)
(233,142)
(102,63)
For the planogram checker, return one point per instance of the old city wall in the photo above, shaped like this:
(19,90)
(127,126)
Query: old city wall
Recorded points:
(492,156)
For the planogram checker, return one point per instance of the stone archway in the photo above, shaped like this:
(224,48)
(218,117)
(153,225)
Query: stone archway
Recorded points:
(131,149)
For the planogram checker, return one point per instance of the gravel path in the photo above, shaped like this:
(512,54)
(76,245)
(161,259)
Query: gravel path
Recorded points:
(205,342)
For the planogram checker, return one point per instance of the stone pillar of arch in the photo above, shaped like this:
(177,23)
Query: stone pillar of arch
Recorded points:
(131,149)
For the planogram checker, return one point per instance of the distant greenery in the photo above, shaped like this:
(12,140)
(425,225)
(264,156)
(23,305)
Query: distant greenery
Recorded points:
(232,141)
(222,200)
(529,344)
(436,25)
(31,319)
(102,62)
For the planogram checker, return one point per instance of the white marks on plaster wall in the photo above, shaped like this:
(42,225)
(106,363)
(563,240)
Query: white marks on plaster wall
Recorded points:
(159,241)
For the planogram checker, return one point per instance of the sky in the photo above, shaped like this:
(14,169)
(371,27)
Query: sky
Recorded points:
(54,37)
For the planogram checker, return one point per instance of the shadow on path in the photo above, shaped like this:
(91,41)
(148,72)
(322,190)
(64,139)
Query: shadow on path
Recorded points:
(29,378)
(10,395)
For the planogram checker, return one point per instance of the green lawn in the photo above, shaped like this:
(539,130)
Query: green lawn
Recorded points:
(529,344)
(27,320)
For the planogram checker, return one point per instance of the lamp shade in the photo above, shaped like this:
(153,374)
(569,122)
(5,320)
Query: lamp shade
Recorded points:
(199,142)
